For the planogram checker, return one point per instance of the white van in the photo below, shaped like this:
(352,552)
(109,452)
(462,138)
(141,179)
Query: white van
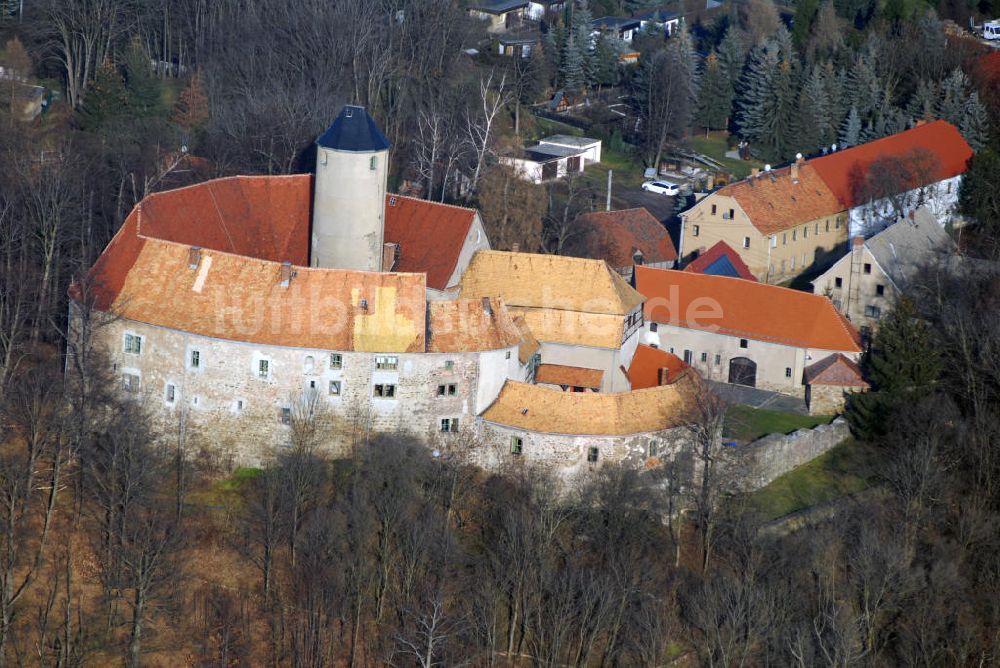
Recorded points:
(991,30)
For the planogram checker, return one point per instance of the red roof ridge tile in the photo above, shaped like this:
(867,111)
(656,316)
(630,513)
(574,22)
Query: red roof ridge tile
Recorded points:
(421,200)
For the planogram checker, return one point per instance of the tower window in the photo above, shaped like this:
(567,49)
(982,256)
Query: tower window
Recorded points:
(195,359)
(336,360)
(334,388)
(592,455)
(373,163)
(263,369)
(133,344)
(516,445)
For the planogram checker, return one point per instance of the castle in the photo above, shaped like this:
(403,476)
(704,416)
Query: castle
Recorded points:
(241,305)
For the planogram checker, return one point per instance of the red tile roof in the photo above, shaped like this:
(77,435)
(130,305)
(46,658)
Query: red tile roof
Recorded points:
(774,201)
(574,376)
(644,371)
(735,307)
(266,217)
(709,257)
(615,236)
(430,236)
(930,153)
(836,369)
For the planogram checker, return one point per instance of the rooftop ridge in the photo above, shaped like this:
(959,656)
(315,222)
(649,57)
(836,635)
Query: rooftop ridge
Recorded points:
(427,201)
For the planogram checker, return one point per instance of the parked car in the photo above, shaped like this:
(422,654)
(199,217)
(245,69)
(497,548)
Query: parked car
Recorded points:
(661,187)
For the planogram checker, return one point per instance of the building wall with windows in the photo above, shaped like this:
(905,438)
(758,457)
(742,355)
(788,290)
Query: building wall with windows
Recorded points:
(238,397)
(859,288)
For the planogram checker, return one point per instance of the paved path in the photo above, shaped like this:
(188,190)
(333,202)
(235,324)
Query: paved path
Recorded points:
(751,396)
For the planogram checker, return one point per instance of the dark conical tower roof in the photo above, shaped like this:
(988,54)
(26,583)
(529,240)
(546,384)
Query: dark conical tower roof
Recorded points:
(354,130)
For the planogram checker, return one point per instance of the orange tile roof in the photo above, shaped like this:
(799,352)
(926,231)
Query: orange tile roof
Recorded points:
(463,325)
(937,150)
(573,328)
(736,307)
(430,236)
(775,202)
(616,235)
(836,369)
(549,282)
(644,371)
(546,410)
(574,376)
(239,298)
(529,344)
(266,217)
(706,259)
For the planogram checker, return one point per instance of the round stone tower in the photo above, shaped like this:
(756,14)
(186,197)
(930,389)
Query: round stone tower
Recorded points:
(352,159)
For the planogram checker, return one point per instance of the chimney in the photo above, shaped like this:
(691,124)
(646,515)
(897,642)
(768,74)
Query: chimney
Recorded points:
(858,242)
(663,376)
(390,256)
(637,256)
(286,274)
(515,248)
(487,307)
(194,256)
(794,172)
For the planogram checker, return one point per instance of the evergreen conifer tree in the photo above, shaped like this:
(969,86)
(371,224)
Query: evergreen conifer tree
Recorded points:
(732,56)
(572,74)
(815,125)
(106,100)
(903,366)
(922,102)
(605,63)
(768,107)
(975,122)
(715,95)
(145,90)
(951,100)
(850,130)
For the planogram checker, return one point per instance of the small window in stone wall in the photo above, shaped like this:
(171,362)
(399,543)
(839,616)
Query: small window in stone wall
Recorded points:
(718,360)
(516,445)
(386,362)
(336,361)
(130,383)
(195,359)
(309,364)
(238,406)
(448,390)
(744,343)
(384,391)
(592,455)
(653,326)
(286,416)
(508,355)
(133,343)
(263,368)
(449,425)
(449,365)
(171,393)
(880,290)
(334,388)
(653,449)
(788,372)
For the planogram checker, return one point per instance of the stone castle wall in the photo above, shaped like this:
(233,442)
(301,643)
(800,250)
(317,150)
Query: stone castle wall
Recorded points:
(237,415)
(767,458)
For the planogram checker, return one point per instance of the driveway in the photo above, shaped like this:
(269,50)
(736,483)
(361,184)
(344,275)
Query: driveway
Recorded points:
(757,398)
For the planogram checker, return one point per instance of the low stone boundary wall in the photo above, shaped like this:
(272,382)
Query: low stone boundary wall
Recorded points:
(773,455)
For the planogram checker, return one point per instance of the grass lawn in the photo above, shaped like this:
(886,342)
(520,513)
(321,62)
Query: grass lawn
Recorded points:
(747,424)
(715,146)
(847,468)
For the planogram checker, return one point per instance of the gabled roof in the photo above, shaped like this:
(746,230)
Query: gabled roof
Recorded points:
(774,201)
(644,371)
(904,247)
(927,154)
(573,376)
(549,282)
(528,345)
(835,369)
(463,325)
(618,234)
(573,328)
(497,6)
(545,410)
(265,217)
(430,236)
(736,307)
(240,298)
(354,130)
(615,22)
(721,260)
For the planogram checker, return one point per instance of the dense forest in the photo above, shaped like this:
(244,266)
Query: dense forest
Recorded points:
(122,545)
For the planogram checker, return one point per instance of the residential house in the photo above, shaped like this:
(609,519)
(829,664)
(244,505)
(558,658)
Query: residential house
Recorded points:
(501,15)
(885,179)
(780,221)
(669,22)
(555,157)
(625,238)
(739,331)
(582,313)
(623,28)
(866,282)
(517,45)
(721,260)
